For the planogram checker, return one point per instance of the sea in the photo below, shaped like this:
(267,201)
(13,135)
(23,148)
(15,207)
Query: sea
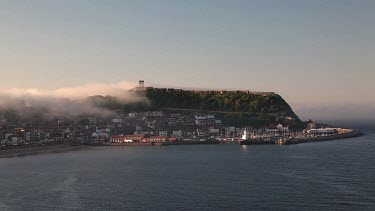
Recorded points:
(332,175)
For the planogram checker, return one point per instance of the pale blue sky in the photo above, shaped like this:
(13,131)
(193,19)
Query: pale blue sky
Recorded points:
(320,52)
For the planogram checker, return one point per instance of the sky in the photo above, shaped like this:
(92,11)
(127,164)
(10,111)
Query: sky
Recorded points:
(318,55)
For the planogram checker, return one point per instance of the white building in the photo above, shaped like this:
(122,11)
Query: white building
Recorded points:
(323,131)
(230,131)
(133,115)
(163,133)
(177,133)
(100,135)
(277,129)
(213,130)
(205,120)
(117,120)
(120,139)
(154,114)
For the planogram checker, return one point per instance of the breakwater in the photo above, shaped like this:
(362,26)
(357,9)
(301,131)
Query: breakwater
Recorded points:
(287,141)
(190,142)
(256,142)
(352,134)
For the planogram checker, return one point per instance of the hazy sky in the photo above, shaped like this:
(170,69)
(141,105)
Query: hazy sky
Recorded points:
(319,55)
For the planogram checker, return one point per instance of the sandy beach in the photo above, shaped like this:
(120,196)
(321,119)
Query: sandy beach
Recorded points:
(19,152)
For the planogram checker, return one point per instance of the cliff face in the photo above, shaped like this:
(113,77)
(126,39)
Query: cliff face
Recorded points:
(235,106)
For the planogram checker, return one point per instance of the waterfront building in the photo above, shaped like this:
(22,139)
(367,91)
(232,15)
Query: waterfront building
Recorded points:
(129,138)
(311,125)
(323,131)
(163,133)
(100,135)
(230,131)
(158,139)
(177,133)
(120,139)
(277,129)
(214,131)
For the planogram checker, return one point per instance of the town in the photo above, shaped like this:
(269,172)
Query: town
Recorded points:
(152,127)
(146,127)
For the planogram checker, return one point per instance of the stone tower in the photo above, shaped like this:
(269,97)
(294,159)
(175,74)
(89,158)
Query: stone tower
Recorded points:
(141,84)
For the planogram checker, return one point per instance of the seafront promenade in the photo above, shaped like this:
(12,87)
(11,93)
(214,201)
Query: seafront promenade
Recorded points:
(24,151)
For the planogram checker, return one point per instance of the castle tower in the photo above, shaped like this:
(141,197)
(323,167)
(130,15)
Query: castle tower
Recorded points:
(141,85)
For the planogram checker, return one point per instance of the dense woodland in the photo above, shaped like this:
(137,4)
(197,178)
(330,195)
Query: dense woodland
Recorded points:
(228,101)
(237,108)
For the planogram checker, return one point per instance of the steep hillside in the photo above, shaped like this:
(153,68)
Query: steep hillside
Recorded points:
(236,106)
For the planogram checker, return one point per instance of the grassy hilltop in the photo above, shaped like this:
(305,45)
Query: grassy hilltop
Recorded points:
(236,107)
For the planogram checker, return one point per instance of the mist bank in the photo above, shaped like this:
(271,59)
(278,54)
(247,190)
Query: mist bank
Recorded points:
(106,99)
(357,112)
(67,101)
(236,107)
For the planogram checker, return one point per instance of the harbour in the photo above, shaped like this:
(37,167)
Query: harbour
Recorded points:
(315,176)
(299,138)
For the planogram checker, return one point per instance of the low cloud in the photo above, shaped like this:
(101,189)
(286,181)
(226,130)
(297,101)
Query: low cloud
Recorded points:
(333,111)
(66,100)
(120,90)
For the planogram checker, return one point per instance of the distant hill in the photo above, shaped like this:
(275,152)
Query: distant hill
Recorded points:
(236,107)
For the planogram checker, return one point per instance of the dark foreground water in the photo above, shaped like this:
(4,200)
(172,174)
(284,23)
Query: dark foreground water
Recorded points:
(335,175)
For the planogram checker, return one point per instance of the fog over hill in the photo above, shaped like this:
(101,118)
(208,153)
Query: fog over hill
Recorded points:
(66,100)
(73,101)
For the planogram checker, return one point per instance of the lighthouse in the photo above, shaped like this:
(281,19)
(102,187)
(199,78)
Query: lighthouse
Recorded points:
(245,135)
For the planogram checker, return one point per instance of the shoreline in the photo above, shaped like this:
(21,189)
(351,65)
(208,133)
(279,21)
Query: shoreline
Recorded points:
(25,151)
(60,148)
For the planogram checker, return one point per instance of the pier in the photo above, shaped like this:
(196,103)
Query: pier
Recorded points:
(299,138)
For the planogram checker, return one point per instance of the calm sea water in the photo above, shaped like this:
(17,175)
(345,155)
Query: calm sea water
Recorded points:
(335,175)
